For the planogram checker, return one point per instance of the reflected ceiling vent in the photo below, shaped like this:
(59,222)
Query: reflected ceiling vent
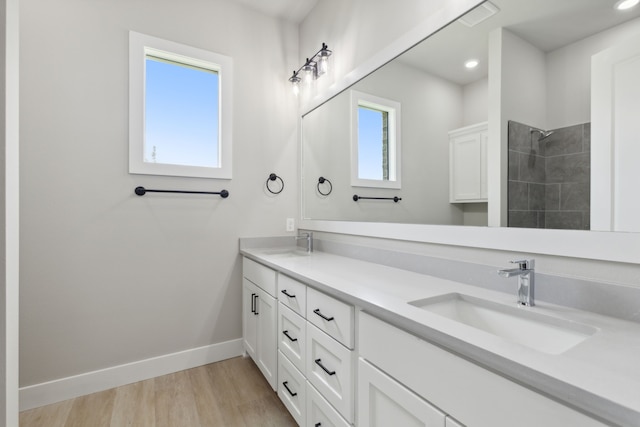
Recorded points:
(483,12)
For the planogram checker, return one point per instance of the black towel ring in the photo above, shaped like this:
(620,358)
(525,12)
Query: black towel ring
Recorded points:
(273,177)
(322,180)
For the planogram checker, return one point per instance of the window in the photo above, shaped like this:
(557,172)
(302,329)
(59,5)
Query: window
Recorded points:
(375,141)
(179,109)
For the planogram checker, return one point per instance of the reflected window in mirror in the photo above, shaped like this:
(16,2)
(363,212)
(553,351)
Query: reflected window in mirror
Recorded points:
(375,141)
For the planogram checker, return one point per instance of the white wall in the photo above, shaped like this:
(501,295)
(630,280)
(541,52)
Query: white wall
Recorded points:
(9,243)
(108,277)
(475,102)
(569,75)
(431,107)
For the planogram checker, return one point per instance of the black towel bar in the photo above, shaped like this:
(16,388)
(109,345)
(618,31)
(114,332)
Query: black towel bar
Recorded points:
(396,199)
(141,191)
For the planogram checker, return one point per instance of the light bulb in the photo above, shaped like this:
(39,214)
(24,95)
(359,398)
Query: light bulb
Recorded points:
(308,72)
(323,60)
(296,88)
(626,4)
(472,63)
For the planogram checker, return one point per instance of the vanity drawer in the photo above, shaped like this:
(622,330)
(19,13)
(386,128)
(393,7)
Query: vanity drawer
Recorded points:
(260,275)
(293,294)
(292,331)
(330,370)
(292,388)
(320,412)
(330,315)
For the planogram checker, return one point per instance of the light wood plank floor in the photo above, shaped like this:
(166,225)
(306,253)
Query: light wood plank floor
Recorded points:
(230,393)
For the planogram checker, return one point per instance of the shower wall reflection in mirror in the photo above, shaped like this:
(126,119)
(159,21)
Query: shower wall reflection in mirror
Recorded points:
(542,85)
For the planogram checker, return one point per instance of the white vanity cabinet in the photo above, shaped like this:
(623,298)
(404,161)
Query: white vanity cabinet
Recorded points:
(473,395)
(259,321)
(315,351)
(468,164)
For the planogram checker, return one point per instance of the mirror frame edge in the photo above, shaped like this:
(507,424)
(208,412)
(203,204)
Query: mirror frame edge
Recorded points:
(597,245)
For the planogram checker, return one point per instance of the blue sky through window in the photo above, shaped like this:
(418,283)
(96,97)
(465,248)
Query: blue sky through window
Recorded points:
(369,144)
(181,114)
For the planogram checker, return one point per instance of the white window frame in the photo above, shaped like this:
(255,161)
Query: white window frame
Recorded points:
(392,108)
(142,45)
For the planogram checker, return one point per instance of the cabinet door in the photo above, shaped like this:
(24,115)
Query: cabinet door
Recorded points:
(465,173)
(384,402)
(267,356)
(249,318)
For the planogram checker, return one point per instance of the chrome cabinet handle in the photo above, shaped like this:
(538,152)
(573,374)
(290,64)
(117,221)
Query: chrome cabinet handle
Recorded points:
(288,389)
(319,363)
(255,299)
(284,291)
(286,334)
(317,311)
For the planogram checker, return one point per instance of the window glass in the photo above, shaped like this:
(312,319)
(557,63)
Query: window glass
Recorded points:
(181,114)
(373,144)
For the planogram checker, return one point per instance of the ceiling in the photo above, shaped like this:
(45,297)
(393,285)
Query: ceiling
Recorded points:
(546,24)
(291,10)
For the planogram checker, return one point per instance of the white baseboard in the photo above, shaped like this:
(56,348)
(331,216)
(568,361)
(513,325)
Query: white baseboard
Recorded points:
(78,385)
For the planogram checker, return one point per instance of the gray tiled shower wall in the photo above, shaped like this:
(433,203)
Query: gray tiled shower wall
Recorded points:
(549,180)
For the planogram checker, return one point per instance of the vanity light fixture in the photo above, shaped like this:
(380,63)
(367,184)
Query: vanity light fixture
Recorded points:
(472,63)
(313,68)
(625,4)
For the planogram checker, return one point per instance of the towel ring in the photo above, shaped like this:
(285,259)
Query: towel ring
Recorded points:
(322,180)
(273,177)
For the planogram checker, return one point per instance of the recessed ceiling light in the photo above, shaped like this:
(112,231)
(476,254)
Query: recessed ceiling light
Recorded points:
(626,4)
(472,63)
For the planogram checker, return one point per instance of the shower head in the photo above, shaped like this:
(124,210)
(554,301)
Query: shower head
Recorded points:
(543,133)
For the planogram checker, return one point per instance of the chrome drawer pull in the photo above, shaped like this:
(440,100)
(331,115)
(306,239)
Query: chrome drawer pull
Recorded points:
(317,311)
(319,363)
(284,291)
(288,389)
(286,334)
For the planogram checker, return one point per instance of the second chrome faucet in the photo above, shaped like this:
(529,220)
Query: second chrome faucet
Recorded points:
(526,282)
(308,236)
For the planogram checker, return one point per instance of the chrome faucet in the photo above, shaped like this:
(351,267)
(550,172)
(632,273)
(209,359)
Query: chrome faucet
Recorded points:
(308,236)
(526,281)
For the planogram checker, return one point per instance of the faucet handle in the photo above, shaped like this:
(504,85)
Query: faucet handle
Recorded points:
(524,264)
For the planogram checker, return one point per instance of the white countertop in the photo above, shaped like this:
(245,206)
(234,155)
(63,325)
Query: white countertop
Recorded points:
(600,376)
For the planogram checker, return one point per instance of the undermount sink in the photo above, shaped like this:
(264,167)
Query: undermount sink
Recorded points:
(286,252)
(516,324)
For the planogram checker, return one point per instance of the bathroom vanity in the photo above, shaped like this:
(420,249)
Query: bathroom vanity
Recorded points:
(359,343)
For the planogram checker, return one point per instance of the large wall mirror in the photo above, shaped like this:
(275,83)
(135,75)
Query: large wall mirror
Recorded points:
(535,135)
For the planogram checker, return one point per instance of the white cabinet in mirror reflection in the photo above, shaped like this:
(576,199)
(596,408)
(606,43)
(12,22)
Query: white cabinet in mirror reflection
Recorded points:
(468,164)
